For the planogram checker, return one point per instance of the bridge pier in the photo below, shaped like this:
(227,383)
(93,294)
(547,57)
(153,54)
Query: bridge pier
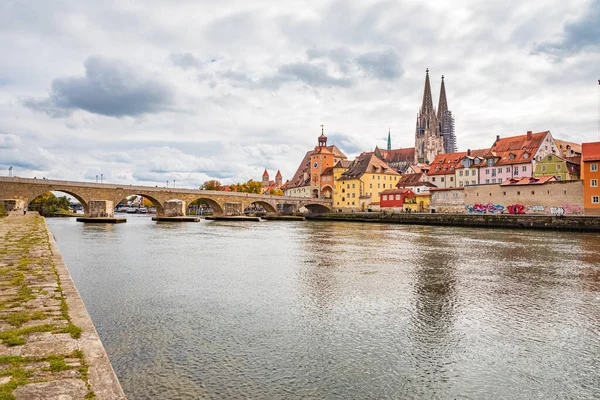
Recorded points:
(174,211)
(101,211)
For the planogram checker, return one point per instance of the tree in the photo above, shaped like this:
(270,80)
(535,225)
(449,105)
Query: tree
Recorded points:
(147,203)
(276,192)
(213,184)
(48,204)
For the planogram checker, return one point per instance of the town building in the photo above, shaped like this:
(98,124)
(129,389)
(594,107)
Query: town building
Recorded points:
(515,156)
(563,168)
(394,198)
(590,174)
(416,182)
(307,182)
(399,159)
(467,173)
(442,172)
(361,183)
(567,149)
(429,141)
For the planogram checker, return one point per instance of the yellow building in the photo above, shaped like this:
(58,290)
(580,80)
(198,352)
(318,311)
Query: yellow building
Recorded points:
(418,203)
(357,184)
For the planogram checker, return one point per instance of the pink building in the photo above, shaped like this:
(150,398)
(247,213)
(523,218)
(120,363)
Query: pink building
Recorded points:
(515,157)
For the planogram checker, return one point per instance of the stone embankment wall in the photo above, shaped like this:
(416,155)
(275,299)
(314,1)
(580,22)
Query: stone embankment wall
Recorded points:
(547,222)
(49,347)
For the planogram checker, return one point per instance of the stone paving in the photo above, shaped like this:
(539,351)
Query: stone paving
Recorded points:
(43,351)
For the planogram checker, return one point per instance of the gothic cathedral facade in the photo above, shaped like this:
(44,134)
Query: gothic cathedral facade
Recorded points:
(434,132)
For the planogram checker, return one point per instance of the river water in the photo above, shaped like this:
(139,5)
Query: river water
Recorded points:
(334,310)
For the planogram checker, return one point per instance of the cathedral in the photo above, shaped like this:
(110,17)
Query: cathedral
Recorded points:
(434,132)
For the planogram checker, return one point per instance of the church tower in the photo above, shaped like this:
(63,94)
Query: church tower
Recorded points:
(389,143)
(446,122)
(428,139)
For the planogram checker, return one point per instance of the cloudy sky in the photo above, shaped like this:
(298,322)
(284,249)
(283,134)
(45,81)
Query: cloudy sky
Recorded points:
(192,90)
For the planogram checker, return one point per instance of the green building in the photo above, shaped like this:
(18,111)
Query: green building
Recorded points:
(563,168)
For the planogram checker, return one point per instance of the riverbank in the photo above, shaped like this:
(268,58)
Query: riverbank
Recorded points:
(546,222)
(49,347)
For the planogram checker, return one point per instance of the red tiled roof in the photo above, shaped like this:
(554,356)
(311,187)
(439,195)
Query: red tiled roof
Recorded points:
(396,191)
(367,163)
(327,171)
(520,142)
(399,155)
(411,179)
(564,145)
(590,151)
(528,181)
(278,174)
(265,173)
(514,157)
(445,164)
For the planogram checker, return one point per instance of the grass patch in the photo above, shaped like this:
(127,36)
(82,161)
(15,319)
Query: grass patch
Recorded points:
(15,337)
(57,363)
(20,317)
(18,376)
(73,329)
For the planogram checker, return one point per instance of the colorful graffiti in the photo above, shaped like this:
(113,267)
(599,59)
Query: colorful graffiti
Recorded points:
(516,209)
(572,209)
(484,208)
(536,208)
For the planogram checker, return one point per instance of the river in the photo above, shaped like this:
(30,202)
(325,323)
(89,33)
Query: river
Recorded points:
(314,310)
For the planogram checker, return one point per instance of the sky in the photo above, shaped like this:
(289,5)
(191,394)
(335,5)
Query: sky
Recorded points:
(146,92)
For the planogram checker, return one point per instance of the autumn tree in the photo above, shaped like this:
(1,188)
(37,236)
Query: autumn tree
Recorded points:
(213,184)
(276,192)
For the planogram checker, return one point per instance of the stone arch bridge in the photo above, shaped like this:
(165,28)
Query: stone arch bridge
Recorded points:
(169,202)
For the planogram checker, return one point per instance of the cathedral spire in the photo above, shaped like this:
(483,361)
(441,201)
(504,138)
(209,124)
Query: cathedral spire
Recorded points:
(443,104)
(389,144)
(427,106)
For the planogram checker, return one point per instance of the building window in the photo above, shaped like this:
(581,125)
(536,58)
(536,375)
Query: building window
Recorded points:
(516,171)
(499,170)
(472,182)
(504,193)
(353,186)
(508,169)
(433,179)
(594,183)
(385,197)
(378,177)
(379,185)
(384,177)
(384,185)
(461,183)
(543,168)
(525,168)
(398,197)
(451,179)
(370,186)
(518,193)
(595,199)
(487,171)
(348,185)
(487,181)
(445,195)
(353,195)
(494,180)
(593,167)
(558,167)
(455,195)
(460,173)
(442,179)
(532,193)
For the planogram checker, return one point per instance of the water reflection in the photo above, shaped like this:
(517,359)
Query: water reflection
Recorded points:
(338,310)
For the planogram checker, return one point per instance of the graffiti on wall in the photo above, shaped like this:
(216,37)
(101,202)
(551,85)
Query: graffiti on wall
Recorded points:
(516,209)
(536,209)
(557,211)
(484,208)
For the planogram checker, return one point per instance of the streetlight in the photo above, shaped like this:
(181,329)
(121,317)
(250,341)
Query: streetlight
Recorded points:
(167,183)
(10,171)
(101,178)
(96,178)
(173,183)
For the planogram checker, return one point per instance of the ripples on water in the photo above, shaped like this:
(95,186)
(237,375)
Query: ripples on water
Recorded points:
(296,310)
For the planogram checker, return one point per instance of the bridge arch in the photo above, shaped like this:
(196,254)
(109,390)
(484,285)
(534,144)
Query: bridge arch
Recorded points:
(40,192)
(156,203)
(317,208)
(215,205)
(268,207)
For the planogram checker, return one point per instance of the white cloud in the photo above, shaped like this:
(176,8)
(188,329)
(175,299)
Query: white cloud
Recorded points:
(191,91)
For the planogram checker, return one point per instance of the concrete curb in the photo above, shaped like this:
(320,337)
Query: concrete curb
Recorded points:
(101,376)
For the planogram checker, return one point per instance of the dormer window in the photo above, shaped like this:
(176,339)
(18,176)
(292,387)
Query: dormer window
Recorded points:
(490,162)
(477,160)
(511,156)
(526,155)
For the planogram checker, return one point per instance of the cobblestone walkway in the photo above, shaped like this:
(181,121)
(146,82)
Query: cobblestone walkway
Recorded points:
(40,352)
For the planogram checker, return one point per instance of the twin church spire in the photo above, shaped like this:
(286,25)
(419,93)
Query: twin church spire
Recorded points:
(434,131)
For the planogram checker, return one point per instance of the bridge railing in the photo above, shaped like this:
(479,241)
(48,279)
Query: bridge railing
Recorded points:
(134,188)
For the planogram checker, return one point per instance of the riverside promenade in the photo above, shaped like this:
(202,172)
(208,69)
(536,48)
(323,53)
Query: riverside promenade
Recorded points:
(49,347)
